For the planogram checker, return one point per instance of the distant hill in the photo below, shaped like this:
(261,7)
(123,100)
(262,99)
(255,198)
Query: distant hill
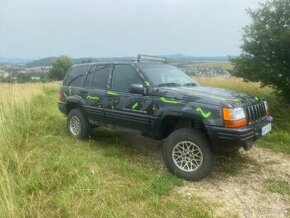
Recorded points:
(15,60)
(41,62)
(182,57)
(176,57)
(48,61)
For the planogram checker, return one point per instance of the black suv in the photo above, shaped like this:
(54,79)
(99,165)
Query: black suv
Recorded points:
(149,97)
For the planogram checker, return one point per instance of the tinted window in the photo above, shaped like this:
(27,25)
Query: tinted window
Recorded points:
(123,77)
(77,81)
(89,79)
(90,75)
(74,76)
(165,74)
(100,77)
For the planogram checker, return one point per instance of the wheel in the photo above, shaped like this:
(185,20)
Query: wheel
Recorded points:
(186,153)
(77,124)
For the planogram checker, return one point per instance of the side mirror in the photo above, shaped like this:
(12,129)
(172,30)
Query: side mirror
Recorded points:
(137,89)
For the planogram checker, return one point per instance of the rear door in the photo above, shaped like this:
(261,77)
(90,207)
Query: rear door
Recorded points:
(96,85)
(126,110)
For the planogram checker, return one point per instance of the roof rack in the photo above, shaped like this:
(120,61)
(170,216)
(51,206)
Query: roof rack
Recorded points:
(142,57)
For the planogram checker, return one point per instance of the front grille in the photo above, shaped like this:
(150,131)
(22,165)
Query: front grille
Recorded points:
(255,112)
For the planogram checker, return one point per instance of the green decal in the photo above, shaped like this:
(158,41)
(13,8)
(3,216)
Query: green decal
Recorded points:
(257,98)
(69,90)
(205,115)
(93,97)
(147,84)
(65,95)
(134,106)
(163,99)
(112,93)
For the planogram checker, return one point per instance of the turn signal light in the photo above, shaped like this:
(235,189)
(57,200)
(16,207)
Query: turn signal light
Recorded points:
(234,117)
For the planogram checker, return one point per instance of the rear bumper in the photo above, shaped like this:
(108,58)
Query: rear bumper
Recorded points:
(62,107)
(228,139)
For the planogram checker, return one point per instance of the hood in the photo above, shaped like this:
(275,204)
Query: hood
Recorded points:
(208,95)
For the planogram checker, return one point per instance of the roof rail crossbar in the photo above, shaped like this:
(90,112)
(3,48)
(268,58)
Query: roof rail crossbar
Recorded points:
(142,57)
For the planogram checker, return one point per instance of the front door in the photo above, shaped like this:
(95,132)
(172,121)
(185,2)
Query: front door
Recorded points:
(125,109)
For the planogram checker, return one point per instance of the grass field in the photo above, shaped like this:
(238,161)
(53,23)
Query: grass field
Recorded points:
(44,172)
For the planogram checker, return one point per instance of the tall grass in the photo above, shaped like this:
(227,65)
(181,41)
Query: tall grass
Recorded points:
(15,127)
(43,172)
(46,173)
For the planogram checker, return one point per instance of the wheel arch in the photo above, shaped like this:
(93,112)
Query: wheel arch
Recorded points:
(73,103)
(172,122)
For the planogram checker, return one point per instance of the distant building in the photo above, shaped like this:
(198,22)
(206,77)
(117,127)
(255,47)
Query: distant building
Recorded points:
(35,78)
(3,74)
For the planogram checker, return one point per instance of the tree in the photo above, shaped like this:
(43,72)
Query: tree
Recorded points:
(60,67)
(265,54)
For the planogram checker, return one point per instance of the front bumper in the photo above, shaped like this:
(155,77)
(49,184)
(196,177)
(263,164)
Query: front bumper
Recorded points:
(228,139)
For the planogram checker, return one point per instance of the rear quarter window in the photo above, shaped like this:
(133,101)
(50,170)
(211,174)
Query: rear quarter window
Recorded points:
(75,76)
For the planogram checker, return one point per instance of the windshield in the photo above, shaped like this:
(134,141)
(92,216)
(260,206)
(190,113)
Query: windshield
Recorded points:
(166,75)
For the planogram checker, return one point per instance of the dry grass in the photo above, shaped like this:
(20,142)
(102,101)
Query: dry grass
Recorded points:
(15,123)
(46,173)
(43,172)
(236,84)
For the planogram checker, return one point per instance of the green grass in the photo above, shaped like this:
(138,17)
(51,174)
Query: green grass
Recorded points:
(44,172)
(209,64)
(56,175)
(278,186)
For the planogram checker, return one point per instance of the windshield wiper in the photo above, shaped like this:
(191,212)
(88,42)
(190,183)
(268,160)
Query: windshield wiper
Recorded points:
(168,84)
(189,84)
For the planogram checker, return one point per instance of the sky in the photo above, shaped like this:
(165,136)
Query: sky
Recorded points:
(112,28)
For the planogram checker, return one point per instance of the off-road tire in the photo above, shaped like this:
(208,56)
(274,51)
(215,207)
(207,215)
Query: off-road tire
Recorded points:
(79,117)
(180,136)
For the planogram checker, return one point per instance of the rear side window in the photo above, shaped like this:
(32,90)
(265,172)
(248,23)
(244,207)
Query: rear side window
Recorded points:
(98,77)
(75,76)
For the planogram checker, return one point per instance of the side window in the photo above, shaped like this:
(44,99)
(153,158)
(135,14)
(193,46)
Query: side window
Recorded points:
(123,77)
(75,76)
(77,81)
(100,77)
(89,78)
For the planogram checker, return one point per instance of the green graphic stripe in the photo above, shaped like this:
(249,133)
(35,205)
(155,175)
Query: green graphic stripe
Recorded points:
(65,95)
(147,84)
(163,99)
(93,97)
(205,115)
(134,106)
(257,98)
(112,93)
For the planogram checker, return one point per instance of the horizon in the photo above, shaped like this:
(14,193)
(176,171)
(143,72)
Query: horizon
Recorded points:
(176,57)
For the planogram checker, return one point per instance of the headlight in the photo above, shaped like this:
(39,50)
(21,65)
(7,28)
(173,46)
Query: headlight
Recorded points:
(266,108)
(234,117)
